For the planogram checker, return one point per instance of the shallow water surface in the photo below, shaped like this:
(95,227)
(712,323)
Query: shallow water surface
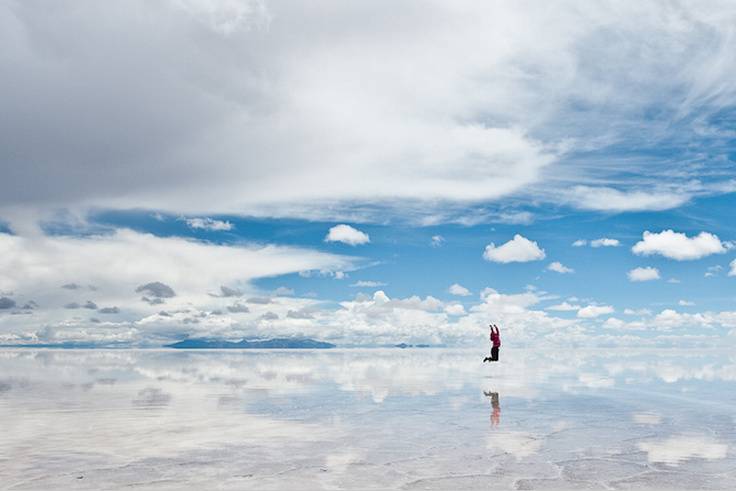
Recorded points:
(407,419)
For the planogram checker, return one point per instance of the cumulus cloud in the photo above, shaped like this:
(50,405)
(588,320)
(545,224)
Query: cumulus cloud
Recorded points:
(679,246)
(209,224)
(685,303)
(592,311)
(455,309)
(643,274)
(459,290)
(580,243)
(519,249)
(437,241)
(558,267)
(347,235)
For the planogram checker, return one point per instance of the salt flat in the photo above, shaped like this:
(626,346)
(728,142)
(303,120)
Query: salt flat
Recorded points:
(371,418)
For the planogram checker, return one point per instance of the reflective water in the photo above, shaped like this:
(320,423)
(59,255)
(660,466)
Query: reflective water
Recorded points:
(410,419)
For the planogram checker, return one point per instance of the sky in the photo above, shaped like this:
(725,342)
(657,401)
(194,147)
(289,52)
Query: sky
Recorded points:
(368,173)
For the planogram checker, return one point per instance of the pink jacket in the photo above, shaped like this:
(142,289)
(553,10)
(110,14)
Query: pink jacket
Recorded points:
(496,339)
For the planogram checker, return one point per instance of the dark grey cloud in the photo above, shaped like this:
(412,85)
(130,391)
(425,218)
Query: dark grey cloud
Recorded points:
(156,290)
(238,308)
(299,314)
(90,305)
(230,292)
(6,303)
(163,313)
(30,305)
(72,305)
(71,286)
(269,316)
(109,310)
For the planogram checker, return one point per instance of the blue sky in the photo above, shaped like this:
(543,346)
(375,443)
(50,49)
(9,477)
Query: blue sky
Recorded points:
(179,177)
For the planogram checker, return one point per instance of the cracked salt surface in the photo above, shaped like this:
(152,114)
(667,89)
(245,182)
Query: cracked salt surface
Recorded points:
(368,419)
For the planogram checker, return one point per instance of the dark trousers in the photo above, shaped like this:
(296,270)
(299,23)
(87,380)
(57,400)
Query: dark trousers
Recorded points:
(494,353)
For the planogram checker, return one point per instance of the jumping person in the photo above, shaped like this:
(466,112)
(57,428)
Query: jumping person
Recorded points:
(496,340)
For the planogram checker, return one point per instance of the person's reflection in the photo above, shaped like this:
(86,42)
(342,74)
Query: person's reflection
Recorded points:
(496,407)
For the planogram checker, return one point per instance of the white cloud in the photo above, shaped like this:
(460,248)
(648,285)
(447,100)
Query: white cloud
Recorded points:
(592,311)
(679,246)
(305,141)
(367,284)
(732,272)
(459,290)
(605,242)
(602,242)
(208,224)
(610,199)
(437,241)
(643,274)
(558,267)
(564,307)
(119,263)
(347,235)
(685,303)
(519,249)
(455,309)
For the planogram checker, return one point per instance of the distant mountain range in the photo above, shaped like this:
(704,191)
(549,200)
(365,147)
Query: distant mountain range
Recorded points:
(276,343)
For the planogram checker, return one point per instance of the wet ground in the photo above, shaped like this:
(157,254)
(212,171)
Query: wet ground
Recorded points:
(405,419)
